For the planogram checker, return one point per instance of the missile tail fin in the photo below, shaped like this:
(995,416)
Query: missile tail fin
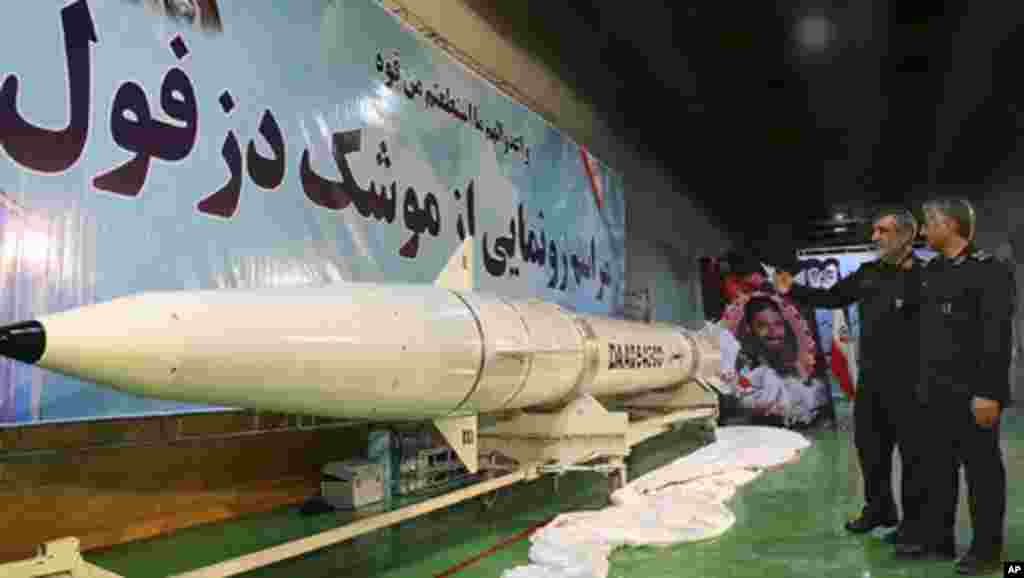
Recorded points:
(458,273)
(461,432)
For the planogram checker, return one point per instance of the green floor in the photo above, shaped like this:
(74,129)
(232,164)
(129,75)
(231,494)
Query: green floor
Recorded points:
(789,524)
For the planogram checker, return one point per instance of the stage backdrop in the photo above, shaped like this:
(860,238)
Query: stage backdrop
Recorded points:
(156,145)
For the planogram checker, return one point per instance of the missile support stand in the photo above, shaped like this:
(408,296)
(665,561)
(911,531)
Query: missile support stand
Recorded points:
(586,436)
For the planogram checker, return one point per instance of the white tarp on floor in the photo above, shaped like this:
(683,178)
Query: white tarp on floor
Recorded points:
(683,501)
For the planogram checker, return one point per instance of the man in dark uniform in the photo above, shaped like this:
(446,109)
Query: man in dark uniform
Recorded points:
(967,300)
(886,379)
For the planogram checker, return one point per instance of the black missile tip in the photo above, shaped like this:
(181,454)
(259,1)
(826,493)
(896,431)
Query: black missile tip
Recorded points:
(25,341)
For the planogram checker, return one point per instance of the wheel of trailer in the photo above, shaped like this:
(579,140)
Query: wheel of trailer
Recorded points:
(616,479)
(709,432)
(487,501)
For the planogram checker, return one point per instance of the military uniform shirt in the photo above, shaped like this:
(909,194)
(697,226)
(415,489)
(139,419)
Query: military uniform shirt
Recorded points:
(966,327)
(888,317)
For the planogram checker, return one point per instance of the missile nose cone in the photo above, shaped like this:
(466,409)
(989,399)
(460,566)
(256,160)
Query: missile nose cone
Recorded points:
(25,341)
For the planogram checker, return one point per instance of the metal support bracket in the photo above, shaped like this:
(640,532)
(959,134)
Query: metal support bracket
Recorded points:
(56,559)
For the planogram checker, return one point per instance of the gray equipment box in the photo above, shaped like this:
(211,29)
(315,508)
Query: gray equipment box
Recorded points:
(352,484)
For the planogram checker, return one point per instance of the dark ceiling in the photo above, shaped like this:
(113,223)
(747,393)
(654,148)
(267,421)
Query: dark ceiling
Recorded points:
(771,134)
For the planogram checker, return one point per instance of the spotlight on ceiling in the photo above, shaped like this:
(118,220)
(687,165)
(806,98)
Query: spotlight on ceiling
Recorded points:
(815,32)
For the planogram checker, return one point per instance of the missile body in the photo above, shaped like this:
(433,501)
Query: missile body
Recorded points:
(353,350)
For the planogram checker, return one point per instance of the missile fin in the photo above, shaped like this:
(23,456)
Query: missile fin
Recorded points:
(461,434)
(458,273)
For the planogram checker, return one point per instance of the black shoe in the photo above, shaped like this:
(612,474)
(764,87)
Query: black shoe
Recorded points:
(869,521)
(974,565)
(895,537)
(944,551)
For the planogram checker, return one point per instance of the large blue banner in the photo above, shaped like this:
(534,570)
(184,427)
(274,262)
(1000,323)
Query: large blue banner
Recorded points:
(195,144)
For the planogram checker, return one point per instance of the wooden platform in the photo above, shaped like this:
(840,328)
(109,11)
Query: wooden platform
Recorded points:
(114,481)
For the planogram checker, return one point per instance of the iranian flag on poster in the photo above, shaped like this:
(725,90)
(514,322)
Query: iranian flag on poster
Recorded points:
(844,362)
(593,171)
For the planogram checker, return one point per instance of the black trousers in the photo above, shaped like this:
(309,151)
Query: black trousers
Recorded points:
(879,421)
(947,438)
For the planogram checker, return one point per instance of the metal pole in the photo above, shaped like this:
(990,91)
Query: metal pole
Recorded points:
(322,540)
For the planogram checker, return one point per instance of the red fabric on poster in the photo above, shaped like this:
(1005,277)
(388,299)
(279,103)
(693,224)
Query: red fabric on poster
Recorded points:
(841,355)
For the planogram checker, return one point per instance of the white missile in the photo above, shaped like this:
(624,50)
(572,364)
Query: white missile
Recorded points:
(357,350)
